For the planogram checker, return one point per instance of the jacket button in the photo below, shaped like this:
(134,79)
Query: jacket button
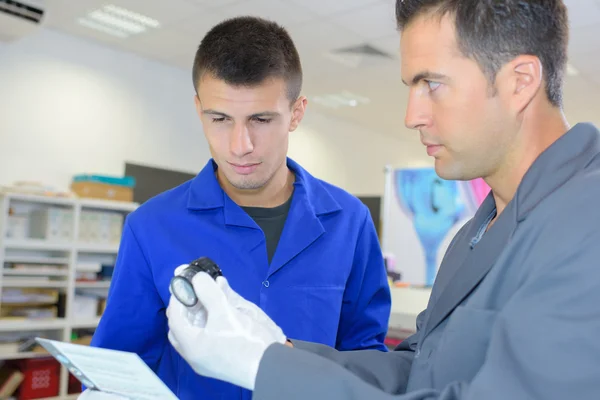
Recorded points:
(266,284)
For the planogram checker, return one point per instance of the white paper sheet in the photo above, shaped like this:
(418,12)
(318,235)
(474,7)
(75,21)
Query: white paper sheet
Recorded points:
(109,371)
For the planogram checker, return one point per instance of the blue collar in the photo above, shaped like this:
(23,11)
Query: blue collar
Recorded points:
(205,192)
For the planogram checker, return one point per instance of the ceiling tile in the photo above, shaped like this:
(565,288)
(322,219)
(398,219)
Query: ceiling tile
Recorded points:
(59,11)
(329,7)
(317,27)
(276,10)
(583,13)
(371,22)
(200,23)
(166,12)
(390,44)
(216,3)
(162,44)
(74,29)
(320,36)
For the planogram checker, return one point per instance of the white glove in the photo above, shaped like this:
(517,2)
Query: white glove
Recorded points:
(231,344)
(197,313)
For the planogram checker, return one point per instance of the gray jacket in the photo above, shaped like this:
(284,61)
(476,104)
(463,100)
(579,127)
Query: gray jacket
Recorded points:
(514,313)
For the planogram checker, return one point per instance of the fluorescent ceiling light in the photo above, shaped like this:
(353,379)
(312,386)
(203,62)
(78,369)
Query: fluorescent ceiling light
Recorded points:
(343,99)
(142,19)
(118,21)
(102,28)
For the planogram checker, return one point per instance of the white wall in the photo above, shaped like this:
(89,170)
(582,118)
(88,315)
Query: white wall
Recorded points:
(70,106)
(348,155)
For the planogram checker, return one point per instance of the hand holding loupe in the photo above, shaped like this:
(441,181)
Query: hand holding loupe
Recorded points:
(181,285)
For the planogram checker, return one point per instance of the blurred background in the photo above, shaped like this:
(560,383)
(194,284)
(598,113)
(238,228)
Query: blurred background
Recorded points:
(97,115)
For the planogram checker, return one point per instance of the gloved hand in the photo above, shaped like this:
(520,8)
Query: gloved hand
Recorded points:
(244,306)
(231,344)
(197,313)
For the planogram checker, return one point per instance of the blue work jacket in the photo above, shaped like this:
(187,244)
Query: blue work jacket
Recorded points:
(326,282)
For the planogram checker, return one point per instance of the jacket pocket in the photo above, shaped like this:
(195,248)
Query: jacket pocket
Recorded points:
(314,313)
(463,345)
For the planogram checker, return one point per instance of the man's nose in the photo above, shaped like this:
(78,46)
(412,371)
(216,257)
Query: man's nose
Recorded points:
(418,111)
(241,142)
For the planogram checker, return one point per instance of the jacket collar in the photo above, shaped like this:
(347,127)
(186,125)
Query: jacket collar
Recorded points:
(205,193)
(461,270)
(568,155)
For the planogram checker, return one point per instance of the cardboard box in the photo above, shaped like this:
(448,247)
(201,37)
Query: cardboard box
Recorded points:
(51,223)
(41,378)
(96,190)
(100,227)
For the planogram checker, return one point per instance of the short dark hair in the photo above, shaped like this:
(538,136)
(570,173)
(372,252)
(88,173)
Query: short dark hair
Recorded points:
(493,32)
(245,51)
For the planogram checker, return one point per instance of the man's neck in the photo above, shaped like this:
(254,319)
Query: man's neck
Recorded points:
(536,135)
(274,193)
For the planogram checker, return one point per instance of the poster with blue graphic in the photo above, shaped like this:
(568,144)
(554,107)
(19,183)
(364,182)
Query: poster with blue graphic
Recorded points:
(422,213)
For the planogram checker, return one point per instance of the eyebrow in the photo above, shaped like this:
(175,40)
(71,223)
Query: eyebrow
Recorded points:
(425,75)
(263,114)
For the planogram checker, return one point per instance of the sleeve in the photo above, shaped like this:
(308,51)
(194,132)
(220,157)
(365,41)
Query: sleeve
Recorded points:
(299,374)
(367,301)
(134,319)
(544,344)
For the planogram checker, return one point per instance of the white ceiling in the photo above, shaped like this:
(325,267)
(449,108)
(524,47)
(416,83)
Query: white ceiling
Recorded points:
(317,27)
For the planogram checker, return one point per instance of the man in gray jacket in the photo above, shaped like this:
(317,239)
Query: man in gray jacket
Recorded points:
(515,309)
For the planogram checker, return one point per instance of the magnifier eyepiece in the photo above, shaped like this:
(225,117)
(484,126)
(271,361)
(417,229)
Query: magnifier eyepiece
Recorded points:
(181,285)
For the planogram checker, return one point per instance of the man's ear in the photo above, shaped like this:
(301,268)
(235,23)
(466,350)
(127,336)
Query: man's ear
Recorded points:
(298,109)
(525,76)
(198,105)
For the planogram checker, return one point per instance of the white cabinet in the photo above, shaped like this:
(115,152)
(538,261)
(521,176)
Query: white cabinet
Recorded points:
(42,241)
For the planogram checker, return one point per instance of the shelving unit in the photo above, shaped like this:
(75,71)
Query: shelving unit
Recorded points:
(63,255)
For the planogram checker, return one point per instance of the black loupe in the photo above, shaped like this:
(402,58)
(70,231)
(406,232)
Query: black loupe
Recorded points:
(181,285)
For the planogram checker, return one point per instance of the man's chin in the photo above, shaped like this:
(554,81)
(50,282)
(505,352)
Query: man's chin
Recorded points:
(246,184)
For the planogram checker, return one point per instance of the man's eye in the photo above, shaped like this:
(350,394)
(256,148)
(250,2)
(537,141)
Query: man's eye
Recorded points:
(262,120)
(220,119)
(433,85)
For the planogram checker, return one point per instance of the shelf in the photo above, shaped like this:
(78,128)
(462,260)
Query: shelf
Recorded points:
(25,272)
(113,205)
(27,283)
(24,355)
(92,285)
(30,198)
(27,259)
(31,325)
(37,244)
(83,324)
(98,248)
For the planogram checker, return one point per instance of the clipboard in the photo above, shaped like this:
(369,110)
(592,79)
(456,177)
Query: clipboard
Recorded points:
(115,372)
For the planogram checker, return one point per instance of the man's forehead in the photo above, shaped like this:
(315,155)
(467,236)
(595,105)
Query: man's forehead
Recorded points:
(427,44)
(240,101)
(429,32)
(217,88)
